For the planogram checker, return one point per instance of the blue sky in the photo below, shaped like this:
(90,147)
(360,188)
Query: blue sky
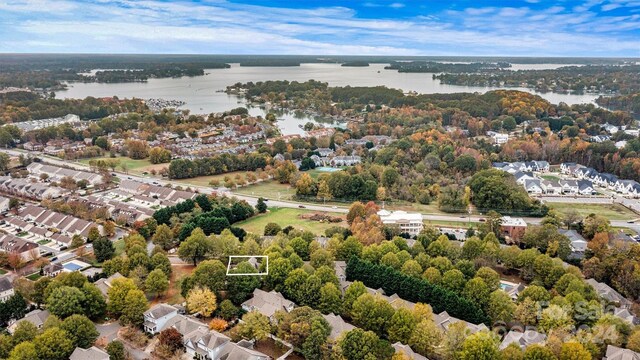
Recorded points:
(607,28)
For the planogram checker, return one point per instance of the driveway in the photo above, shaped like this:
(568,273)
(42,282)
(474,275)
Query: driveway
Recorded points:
(109,331)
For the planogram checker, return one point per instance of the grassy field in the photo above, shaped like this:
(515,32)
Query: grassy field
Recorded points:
(118,246)
(205,180)
(35,276)
(550,177)
(610,211)
(268,189)
(445,223)
(137,166)
(285,217)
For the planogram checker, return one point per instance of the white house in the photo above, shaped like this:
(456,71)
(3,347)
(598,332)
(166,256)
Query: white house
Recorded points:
(6,289)
(410,223)
(498,138)
(578,243)
(533,186)
(569,186)
(542,166)
(156,317)
(522,176)
(4,204)
(551,187)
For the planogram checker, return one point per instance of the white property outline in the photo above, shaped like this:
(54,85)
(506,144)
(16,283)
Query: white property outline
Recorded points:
(247,274)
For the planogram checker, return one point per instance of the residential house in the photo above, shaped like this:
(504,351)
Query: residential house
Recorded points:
(513,228)
(28,189)
(340,161)
(599,138)
(6,289)
(621,144)
(609,294)
(585,187)
(200,342)
(267,303)
(616,353)
(569,186)
(444,320)
(624,314)
(341,270)
(105,284)
(55,173)
(512,289)
(586,173)
(551,187)
(36,317)
(541,166)
(627,186)
(156,317)
(15,245)
(611,129)
(498,138)
(407,351)
(4,204)
(92,353)
(523,339)
(522,176)
(52,270)
(338,325)
(533,186)
(566,167)
(578,243)
(32,146)
(410,223)
(606,180)
(324,152)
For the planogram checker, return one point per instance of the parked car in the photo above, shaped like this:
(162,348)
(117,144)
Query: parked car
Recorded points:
(301,206)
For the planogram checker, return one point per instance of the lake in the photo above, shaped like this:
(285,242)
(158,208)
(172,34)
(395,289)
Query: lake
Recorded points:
(203,94)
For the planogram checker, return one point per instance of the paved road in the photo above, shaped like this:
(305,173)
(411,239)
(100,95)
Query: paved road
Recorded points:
(109,331)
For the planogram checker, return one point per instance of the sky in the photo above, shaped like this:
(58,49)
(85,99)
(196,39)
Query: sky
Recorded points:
(584,28)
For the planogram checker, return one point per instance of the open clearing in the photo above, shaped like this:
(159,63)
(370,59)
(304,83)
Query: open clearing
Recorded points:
(178,272)
(610,211)
(285,217)
(135,166)
(269,189)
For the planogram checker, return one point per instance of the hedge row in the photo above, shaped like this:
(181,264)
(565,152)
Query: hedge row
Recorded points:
(414,290)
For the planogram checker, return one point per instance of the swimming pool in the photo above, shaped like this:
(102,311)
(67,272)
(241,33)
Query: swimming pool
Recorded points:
(328,169)
(72,266)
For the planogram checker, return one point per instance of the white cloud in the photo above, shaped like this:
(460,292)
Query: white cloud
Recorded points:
(223,27)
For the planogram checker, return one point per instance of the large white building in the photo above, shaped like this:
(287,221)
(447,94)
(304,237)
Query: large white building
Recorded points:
(410,223)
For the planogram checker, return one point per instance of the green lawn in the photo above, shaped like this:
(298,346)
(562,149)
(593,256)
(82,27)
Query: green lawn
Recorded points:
(119,246)
(610,211)
(285,217)
(550,177)
(268,189)
(205,180)
(131,164)
(34,276)
(2,271)
(447,223)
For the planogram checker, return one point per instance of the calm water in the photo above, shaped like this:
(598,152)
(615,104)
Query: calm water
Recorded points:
(202,94)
